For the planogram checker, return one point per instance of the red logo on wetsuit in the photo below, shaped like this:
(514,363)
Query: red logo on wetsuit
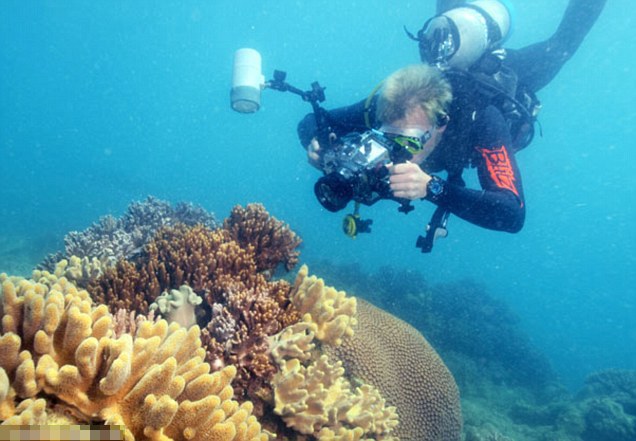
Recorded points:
(500,168)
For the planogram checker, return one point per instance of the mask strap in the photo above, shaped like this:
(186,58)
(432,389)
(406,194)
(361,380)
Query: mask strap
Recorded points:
(368,103)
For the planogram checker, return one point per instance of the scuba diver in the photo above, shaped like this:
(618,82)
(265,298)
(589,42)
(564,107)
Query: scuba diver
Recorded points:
(491,116)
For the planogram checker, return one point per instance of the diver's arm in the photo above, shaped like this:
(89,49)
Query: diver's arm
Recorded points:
(341,121)
(494,210)
(499,204)
(536,65)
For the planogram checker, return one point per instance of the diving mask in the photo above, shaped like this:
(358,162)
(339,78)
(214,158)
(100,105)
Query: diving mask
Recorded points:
(411,138)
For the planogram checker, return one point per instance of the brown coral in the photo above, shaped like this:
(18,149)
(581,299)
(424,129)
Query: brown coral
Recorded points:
(273,241)
(394,357)
(199,257)
(55,342)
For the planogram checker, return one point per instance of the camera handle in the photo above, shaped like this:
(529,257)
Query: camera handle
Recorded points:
(401,155)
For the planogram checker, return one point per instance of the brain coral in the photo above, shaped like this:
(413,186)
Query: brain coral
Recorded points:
(394,357)
(55,345)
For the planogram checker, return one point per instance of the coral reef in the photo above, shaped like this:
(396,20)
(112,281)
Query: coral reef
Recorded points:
(302,359)
(58,352)
(608,405)
(242,306)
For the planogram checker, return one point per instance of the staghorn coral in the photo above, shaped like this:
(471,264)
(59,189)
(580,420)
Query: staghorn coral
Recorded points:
(273,241)
(56,345)
(389,354)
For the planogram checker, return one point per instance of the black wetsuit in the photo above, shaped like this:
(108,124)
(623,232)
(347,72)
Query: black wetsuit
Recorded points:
(477,134)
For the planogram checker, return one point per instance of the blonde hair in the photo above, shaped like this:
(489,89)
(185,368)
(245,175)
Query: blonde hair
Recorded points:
(416,85)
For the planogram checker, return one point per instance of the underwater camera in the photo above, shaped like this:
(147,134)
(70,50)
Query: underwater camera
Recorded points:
(354,165)
(355,169)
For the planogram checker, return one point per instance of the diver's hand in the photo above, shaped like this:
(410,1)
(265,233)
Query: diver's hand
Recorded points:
(408,181)
(313,153)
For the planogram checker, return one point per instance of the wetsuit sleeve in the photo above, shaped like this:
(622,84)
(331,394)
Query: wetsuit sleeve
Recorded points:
(341,121)
(499,204)
(536,65)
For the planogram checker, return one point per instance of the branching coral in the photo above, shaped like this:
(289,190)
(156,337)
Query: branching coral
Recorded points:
(112,239)
(197,257)
(55,342)
(273,241)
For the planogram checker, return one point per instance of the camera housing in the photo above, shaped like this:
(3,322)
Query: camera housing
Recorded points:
(355,169)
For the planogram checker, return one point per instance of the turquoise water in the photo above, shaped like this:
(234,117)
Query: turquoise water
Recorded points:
(103,103)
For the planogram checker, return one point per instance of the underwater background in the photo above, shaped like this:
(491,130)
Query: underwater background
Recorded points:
(103,103)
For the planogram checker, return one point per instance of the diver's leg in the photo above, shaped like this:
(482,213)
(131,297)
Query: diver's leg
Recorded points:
(537,64)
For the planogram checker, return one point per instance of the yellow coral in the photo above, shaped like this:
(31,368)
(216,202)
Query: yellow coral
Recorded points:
(295,341)
(331,310)
(311,391)
(318,399)
(156,383)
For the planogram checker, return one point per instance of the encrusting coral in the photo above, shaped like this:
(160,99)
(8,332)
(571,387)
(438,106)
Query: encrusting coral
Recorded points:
(56,344)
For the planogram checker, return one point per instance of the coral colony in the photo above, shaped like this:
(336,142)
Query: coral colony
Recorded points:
(172,327)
